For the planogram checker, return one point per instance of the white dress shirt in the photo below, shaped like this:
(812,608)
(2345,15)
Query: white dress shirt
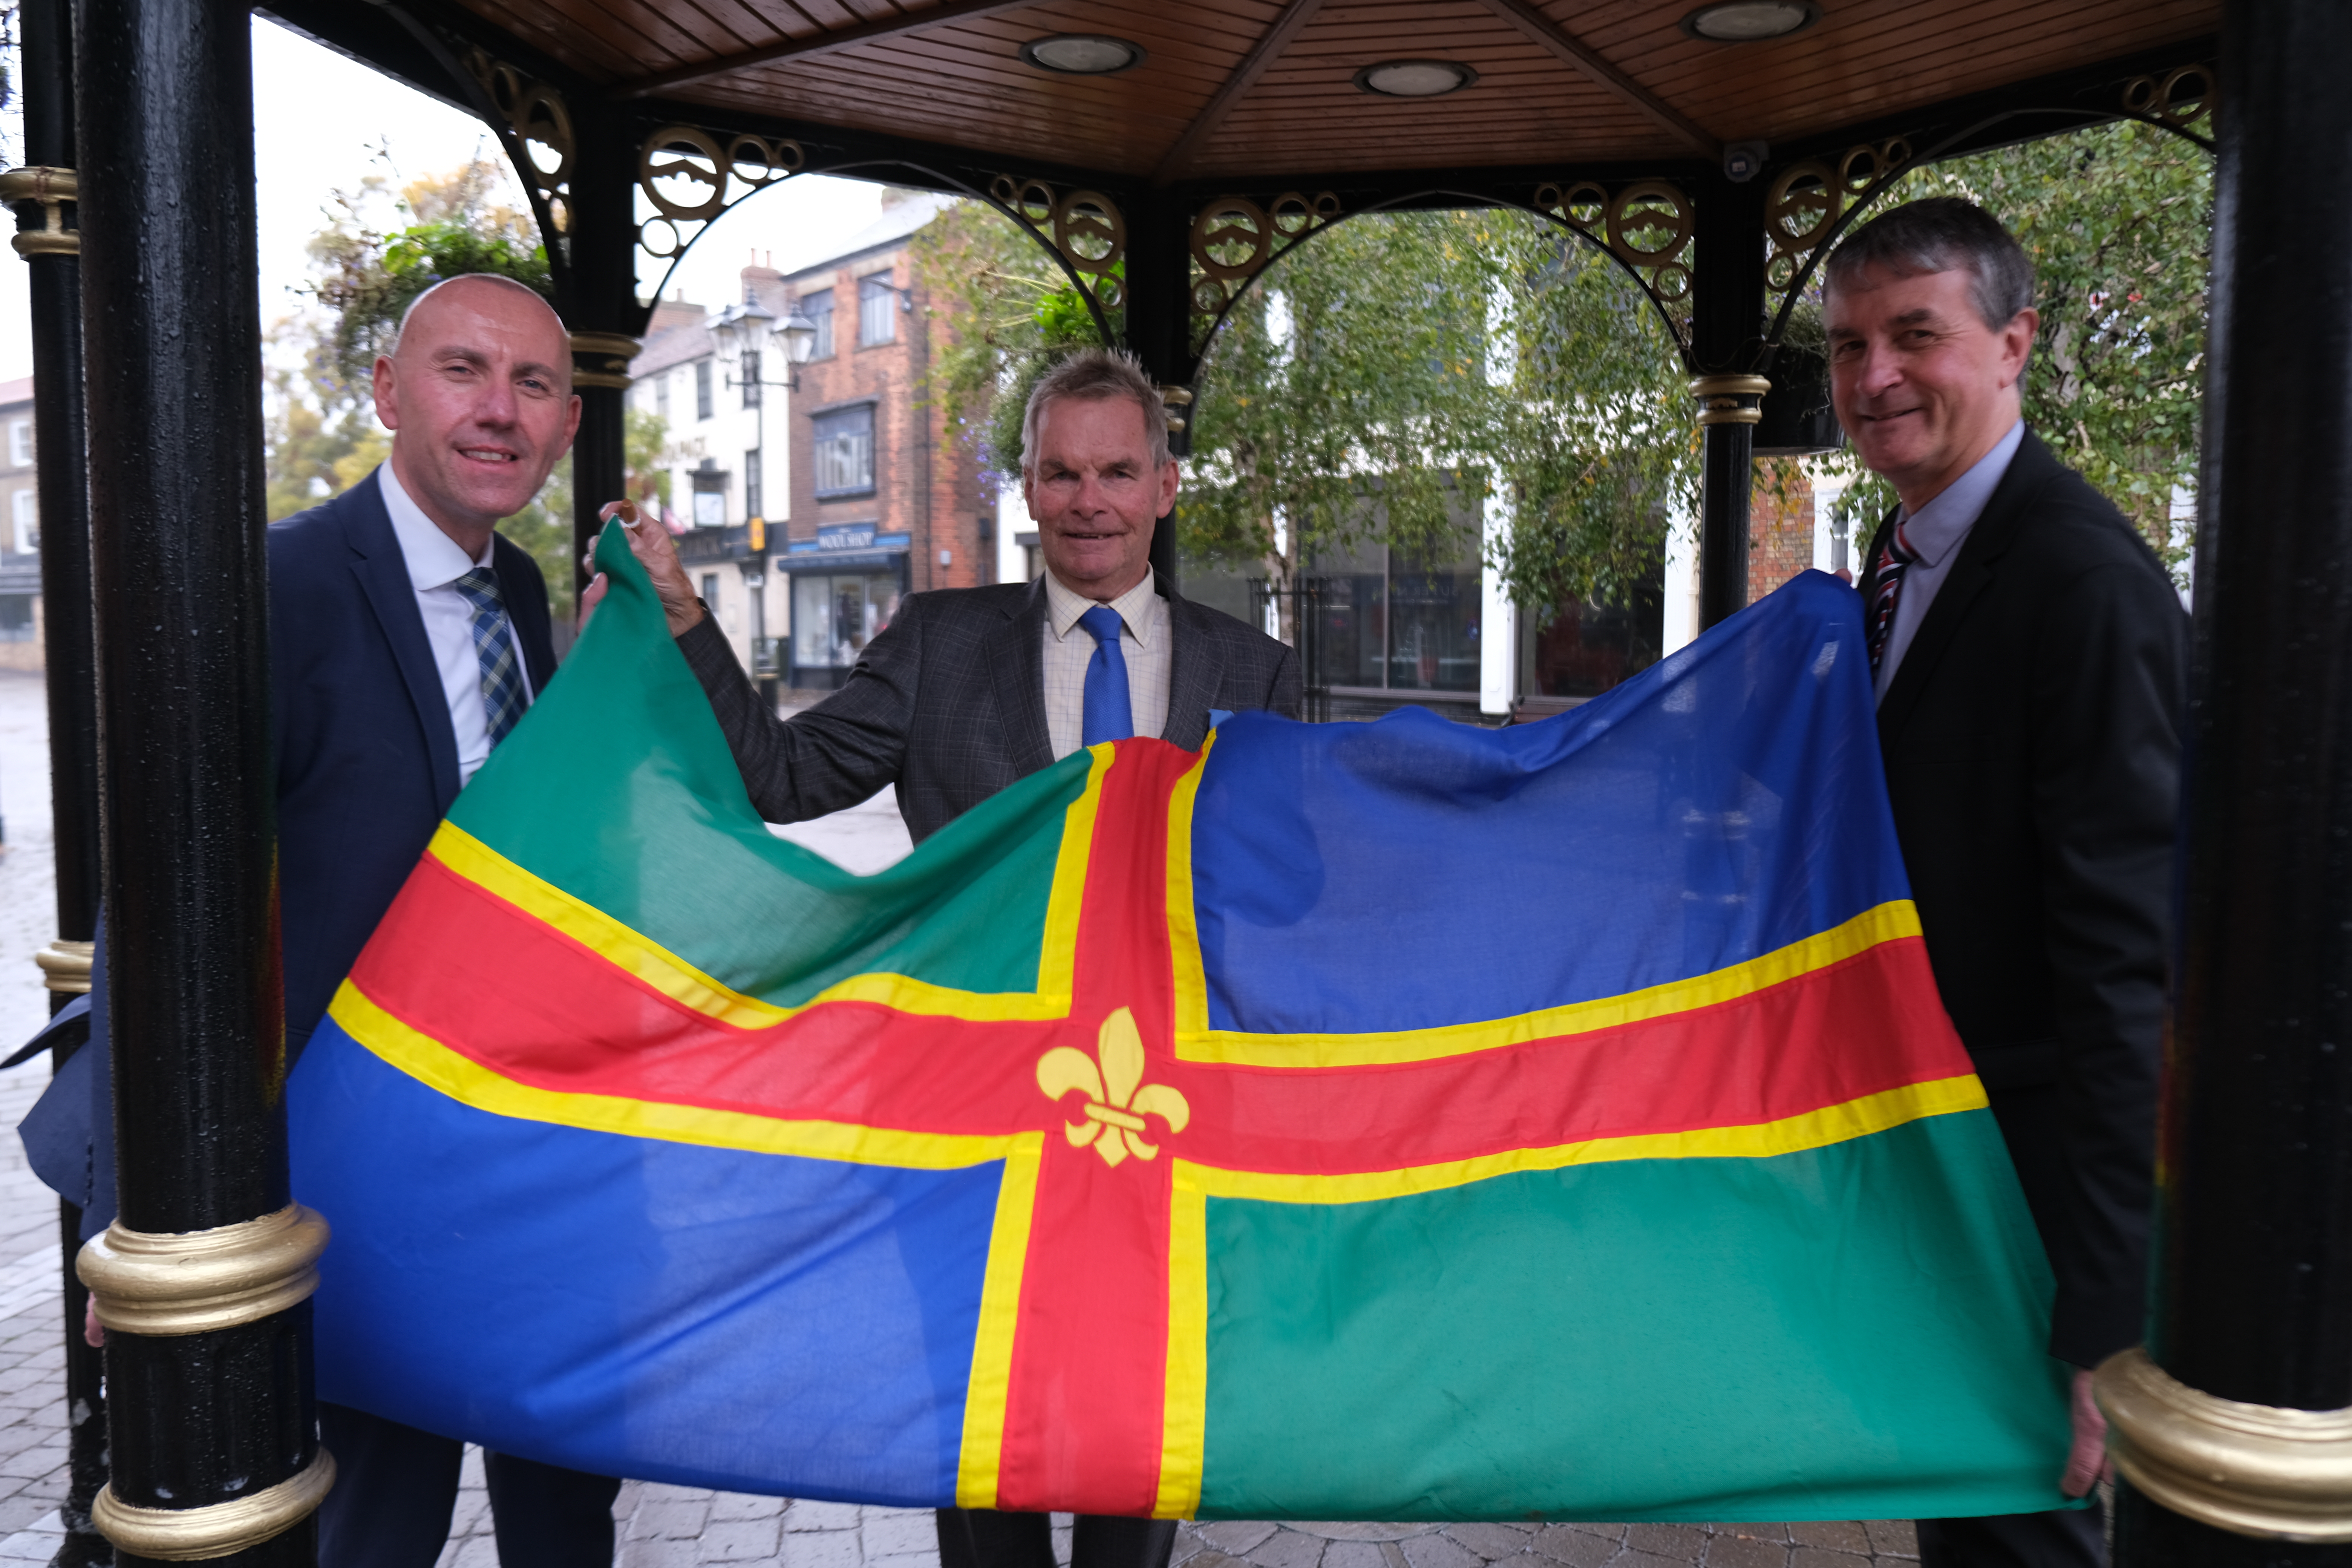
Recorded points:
(1146,640)
(1937,534)
(435,563)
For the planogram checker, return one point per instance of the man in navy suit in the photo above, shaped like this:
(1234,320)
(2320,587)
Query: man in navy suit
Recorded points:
(406,640)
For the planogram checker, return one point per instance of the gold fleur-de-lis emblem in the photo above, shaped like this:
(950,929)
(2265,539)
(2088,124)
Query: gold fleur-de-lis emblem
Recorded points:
(1118,1099)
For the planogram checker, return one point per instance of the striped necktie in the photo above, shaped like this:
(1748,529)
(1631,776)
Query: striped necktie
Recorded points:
(494,645)
(1886,591)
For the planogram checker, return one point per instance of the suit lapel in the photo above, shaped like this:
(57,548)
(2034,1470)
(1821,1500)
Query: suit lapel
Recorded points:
(1194,672)
(1015,658)
(383,573)
(1970,575)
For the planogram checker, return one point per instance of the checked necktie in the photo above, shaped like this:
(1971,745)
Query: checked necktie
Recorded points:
(1108,716)
(494,645)
(1886,591)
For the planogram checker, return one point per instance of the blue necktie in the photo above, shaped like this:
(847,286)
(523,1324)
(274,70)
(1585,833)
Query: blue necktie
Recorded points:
(502,698)
(1108,715)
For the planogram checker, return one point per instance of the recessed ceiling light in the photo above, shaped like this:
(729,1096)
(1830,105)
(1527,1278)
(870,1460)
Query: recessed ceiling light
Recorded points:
(1415,79)
(1083,54)
(1751,21)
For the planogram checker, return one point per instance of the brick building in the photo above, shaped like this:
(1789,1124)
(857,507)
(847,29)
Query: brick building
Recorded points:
(1781,534)
(884,501)
(805,514)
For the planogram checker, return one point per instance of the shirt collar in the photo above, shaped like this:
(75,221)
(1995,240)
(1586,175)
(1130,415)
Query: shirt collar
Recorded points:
(1939,526)
(433,559)
(1065,608)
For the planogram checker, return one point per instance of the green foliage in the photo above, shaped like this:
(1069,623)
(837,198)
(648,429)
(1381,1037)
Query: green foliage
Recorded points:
(369,279)
(2116,219)
(1432,360)
(1010,312)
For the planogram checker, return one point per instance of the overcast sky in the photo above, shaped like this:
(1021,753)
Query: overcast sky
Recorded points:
(326,123)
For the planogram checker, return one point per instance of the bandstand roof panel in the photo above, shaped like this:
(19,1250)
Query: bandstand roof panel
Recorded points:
(1260,86)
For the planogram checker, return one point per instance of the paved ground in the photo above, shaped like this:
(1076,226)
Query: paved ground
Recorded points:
(675,1527)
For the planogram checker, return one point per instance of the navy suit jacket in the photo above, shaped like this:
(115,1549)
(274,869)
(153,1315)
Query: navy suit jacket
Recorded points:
(367,766)
(367,759)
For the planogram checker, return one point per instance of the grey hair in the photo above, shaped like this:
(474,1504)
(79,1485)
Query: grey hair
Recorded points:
(503,281)
(1938,235)
(1097,375)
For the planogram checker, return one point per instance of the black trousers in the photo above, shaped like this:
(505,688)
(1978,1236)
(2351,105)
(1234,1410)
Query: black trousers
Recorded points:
(395,1488)
(2065,1537)
(983,1537)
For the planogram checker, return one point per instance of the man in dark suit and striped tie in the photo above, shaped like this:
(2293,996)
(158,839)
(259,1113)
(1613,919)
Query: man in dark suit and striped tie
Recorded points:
(971,689)
(2030,661)
(406,640)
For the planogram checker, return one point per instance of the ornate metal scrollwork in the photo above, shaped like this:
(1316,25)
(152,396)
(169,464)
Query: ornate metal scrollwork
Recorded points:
(1084,229)
(1803,206)
(2177,99)
(1234,239)
(691,175)
(542,124)
(1645,224)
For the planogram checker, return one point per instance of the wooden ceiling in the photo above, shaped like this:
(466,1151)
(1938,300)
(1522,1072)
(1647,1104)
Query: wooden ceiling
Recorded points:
(1235,87)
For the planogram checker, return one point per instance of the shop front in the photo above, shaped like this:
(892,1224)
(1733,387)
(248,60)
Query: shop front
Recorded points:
(846,586)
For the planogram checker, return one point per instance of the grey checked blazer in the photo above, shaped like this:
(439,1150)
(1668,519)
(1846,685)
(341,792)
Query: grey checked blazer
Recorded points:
(948,704)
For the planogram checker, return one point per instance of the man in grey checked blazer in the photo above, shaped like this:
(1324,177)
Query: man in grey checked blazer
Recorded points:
(960,696)
(969,688)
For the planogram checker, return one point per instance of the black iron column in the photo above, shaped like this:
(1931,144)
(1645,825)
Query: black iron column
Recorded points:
(203,1281)
(1158,327)
(2231,1431)
(45,221)
(602,312)
(1727,336)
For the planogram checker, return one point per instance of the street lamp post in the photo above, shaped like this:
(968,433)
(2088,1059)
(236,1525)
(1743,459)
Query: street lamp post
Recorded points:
(742,332)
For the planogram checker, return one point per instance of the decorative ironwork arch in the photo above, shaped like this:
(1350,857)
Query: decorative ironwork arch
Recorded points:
(719,170)
(1254,237)
(537,121)
(1808,210)
(1083,231)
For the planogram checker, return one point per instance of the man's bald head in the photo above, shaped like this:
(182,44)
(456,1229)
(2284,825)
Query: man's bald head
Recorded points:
(513,299)
(477,393)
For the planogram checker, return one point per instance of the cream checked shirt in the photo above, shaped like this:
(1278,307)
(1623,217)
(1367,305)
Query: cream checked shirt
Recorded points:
(1145,640)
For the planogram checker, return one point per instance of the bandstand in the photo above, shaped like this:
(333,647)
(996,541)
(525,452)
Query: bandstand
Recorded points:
(1163,157)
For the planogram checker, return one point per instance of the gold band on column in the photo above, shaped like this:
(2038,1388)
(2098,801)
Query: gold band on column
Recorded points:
(52,188)
(65,966)
(602,358)
(2252,1469)
(200,1281)
(194,1535)
(1730,399)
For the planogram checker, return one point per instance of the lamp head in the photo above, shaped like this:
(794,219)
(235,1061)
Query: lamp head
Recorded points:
(800,337)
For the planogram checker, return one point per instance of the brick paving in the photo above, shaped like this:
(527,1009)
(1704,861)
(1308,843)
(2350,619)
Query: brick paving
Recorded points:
(680,1527)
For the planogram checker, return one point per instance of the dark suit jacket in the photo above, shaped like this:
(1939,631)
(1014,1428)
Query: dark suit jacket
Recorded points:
(949,703)
(2031,736)
(367,759)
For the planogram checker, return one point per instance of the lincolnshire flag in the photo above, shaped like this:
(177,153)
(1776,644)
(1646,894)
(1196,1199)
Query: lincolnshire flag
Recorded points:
(1395,1121)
